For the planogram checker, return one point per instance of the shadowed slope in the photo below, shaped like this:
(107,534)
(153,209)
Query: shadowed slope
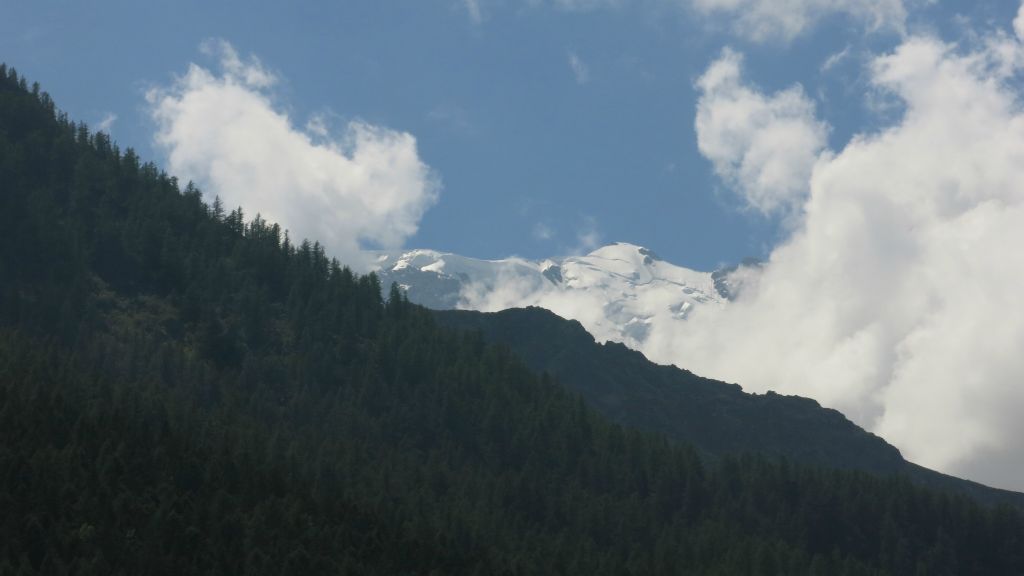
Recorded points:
(718,418)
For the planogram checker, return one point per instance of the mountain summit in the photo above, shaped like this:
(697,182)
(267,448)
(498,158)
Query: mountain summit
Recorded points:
(618,292)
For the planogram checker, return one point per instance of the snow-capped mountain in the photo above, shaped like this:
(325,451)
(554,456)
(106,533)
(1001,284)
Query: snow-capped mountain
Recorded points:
(617,292)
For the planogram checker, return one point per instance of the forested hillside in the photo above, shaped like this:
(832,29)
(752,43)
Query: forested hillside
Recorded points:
(717,418)
(185,391)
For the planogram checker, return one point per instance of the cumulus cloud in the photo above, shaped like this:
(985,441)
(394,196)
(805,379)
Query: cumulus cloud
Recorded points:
(897,298)
(763,145)
(763,20)
(223,130)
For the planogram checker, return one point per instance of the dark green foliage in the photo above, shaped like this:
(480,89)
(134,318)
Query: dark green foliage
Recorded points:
(717,418)
(182,392)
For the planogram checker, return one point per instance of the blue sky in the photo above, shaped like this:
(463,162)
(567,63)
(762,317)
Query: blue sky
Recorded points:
(532,154)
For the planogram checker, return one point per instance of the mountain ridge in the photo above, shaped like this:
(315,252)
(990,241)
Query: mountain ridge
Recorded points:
(718,418)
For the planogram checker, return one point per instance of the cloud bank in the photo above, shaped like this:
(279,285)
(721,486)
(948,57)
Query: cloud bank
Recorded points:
(224,131)
(897,299)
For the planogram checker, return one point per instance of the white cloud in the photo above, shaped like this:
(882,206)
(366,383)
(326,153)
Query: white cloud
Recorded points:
(223,131)
(762,20)
(579,68)
(765,146)
(897,299)
(107,122)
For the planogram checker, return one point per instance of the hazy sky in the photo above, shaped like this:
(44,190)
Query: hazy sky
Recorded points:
(871,151)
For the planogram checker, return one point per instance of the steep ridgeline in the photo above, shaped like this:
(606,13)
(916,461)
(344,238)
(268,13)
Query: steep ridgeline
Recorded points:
(716,417)
(183,391)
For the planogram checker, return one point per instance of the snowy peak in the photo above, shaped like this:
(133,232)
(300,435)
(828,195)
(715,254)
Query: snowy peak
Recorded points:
(618,292)
(641,266)
(624,252)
